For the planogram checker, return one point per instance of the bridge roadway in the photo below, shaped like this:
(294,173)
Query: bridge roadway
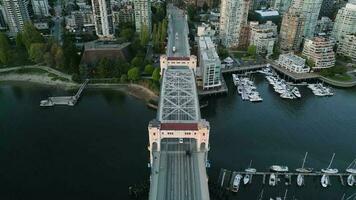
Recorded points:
(177,33)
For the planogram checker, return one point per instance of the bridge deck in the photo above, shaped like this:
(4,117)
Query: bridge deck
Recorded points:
(178,176)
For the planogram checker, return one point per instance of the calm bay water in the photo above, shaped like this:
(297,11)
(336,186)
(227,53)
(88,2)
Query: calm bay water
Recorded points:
(96,149)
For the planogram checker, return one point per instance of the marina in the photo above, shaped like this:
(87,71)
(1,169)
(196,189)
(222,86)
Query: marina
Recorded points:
(64,100)
(246,88)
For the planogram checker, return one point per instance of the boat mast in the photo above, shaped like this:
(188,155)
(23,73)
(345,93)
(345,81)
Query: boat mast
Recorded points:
(331,161)
(305,157)
(351,164)
(285,195)
(250,164)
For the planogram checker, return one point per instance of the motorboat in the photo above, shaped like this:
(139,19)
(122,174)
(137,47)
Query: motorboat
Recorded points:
(351,180)
(304,169)
(272,180)
(287,95)
(296,92)
(329,170)
(236,183)
(279,168)
(246,179)
(325,181)
(300,179)
(251,170)
(46,103)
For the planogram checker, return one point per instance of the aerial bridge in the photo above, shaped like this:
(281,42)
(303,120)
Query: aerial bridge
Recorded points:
(178,136)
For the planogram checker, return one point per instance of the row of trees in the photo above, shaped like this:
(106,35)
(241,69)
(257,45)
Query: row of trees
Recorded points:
(159,35)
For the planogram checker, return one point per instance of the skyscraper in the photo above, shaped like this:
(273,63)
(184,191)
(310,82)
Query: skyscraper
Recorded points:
(292,27)
(17,14)
(310,11)
(143,15)
(104,25)
(233,17)
(40,8)
(345,22)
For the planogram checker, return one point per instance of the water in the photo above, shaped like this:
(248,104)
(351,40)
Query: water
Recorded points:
(98,148)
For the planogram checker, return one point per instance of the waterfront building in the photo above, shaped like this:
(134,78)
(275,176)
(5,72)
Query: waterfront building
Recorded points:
(345,22)
(293,63)
(292,28)
(263,36)
(320,51)
(310,12)
(143,15)
(233,17)
(16,14)
(347,46)
(209,63)
(40,8)
(124,14)
(103,20)
(324,27)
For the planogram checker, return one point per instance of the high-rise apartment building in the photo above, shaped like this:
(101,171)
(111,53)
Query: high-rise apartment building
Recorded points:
(16,14)
(281,5)
(209,63)
(320,51)
(327,8)
(347,46)
(292,27)
(263,36)
(143,15)
(233,17)
(310,12)
(40,8)
(345,22)
(103,19)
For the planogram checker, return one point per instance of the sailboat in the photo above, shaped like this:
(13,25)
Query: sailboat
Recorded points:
(303,169)
(325,181)
(249,169)
(352,167)
(330,170)
(248,175)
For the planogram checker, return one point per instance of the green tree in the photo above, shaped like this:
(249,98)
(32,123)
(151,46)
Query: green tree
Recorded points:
(137,61)
(156,74)
(144,35)
(48,59)
(37,51)
(19,41)
(58,57)
(123,78)
(30,35)
(133,74)
(251,50)
(127,33)
(4,49)
(310,63)
(149,69)
(103,68)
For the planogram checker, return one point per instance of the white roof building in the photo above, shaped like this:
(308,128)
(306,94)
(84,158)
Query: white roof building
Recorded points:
(293,63)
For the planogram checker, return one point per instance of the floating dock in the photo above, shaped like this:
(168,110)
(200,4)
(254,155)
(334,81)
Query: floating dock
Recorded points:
(64,100)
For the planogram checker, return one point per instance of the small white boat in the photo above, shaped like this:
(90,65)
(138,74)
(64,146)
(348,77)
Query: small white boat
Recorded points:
(236,183)
(329,170)
(325,181)
(279,168)
(300,179)
(287,95)
(246,179)
(296,92)
(251,170)
(272,180)
(351,180)
(46,103)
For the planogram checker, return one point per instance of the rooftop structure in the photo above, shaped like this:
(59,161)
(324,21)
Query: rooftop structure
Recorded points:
(345,22)
(320,51)
(292,63)
(324,26)
(347,46)
(40,8)
(263,36)
(209,63)
(233,17)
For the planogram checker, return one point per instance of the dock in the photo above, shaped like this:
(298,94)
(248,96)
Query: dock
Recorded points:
(64,100)
(237,69)
(292,75)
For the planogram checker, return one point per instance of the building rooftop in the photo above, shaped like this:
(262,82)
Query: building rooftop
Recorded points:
(267,13)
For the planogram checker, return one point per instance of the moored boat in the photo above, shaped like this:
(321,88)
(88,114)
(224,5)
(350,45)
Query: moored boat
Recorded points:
(304,169)
(300,179)
(272,180)
(325,181)
(236,183)
(329,170)
(246,179)
(351,180)
(279,168)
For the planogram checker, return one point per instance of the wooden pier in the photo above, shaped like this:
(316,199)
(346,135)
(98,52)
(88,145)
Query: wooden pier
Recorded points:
(64,100)
(237,69)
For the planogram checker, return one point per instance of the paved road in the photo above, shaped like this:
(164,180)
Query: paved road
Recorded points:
(177,33)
